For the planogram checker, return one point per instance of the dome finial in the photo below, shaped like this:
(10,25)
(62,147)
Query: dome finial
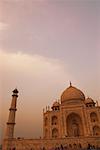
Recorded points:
(70,83)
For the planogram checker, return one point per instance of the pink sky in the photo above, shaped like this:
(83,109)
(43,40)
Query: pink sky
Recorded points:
(43,45)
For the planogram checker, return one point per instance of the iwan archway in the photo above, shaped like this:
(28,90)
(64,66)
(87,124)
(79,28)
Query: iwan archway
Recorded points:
(74,125)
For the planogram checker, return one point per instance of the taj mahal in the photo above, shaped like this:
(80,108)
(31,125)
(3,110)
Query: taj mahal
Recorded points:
(72,123)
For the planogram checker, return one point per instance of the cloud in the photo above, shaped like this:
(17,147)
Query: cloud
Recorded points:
(39,80)
(23,62)
(3,26)
(31,73)
(24,69)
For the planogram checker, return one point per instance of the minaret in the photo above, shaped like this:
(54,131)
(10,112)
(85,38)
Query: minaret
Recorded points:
(12,113)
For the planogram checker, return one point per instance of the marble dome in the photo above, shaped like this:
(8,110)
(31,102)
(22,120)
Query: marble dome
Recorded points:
(72,93)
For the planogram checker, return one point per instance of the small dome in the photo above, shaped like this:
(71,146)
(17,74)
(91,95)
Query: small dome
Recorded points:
(72,93)
(55,104)
(15,91)
(89,100)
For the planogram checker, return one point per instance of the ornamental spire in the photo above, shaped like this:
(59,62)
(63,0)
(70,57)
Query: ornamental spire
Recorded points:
(70,83)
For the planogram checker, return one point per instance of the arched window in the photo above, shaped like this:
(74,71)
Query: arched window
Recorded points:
(46,133)
(96,130)
(14,148)
(93,117)
(54,120)
(70,146)
(74,146)
(80,146)
(55,133)
(46,121)
(74,125)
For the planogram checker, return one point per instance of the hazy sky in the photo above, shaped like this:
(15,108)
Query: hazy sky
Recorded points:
(43,45)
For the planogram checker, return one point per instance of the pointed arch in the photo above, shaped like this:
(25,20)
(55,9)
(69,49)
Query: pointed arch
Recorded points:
(46,133)
(46,121)
(74,125)
(93,117)
(55,133)
(96,131)
(54,120)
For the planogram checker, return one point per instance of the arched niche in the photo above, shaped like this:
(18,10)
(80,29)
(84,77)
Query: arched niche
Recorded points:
(46,121)
(93,117)
(46,133)
(54,120)
(96,131)
(55,133)
(74,125)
